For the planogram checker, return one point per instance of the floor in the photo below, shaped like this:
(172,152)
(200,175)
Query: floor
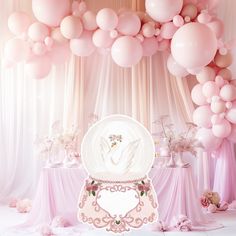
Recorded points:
(9,217)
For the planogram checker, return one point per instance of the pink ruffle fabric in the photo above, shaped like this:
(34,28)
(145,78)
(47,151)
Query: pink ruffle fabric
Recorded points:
(177,196)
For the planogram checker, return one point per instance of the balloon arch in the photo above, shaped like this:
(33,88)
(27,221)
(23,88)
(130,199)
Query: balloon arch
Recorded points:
(190,29)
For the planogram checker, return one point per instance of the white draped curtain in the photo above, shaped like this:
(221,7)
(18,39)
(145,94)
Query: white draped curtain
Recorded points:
(75,92)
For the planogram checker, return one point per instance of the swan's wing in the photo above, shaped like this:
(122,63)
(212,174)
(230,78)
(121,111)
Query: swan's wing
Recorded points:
(128,154)
(105,148)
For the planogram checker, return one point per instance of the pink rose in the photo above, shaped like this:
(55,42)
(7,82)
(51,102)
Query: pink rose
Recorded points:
(204,202)
(141,187)
(89,187)
(184,228)
(94,187)
(147,187)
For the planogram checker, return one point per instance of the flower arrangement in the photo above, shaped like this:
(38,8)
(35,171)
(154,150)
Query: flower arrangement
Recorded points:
(143,187)
(92,187)
(182,223)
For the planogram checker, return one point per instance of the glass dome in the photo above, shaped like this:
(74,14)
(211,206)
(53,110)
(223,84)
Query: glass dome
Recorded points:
(117,148)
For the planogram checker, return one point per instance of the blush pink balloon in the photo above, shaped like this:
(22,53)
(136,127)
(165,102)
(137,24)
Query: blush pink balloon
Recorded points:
(38,67)
(222,129)
(232,136)
(60,53)
(89,20)
(107,19)
(150,46)
(197,95)
(18,22)
(193,45)
(210,89)
(228,93)
(217,26)
(216,119)
(208,140)
(189,10)
(219,81)
(38,31)
(48,42)
(178,21)
(148,30)
(129,23)
(206,74)
(83,46)
(16,50)
(218,107)
(39,48)
(71,27)
(102,39)
(163,10)
(231,114)
(57,36)
(204,18)
(168,30)
(223,61)
(225,73)
(126,51)
(174,68)
(202,116)
(51,12)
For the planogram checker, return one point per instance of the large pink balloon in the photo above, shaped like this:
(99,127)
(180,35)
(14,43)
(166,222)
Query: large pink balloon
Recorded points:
(18,22)
(208,140)
(231,114)
(83,46)
(150,46)
(206,74)
(71,27)
(16,50)
(210,89)
(163,10)
(38,31)
(194,45)
(89,20)
(228,92)
(202,116)
(107,19)
(174,68)
(102,39)
(222,129)
(232,136)
(38,67)
(126,51)
(51,12)
(129,23)
(197,95)
(168,30)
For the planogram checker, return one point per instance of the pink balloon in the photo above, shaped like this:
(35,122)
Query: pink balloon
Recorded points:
(193,45)
(48,42)
(222,129)
(163,10)
(148,30)
(231,114)
(38,31)
(71,27)
(219,81)
(228,92)
(208,140)
(178,21)
(18,22)
(217,27)
(195,71)
(89,20)
(126,51)
(168,30)
(38,67)
(60,53)
(223,61)
(102,39)
(174,68)
(210,89)
(150,46)
(16,50)
(39,48)
(83,46)
(51,12)
(189,10)
(216,119)
(218,107)
(202,116)
(225,73)
(129,23)
(57,36)
(204,18)
(232,136)
(107,19)
(197,95)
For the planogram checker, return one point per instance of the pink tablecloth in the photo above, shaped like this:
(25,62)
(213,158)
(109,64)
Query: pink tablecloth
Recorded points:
(177,195)
(57,195)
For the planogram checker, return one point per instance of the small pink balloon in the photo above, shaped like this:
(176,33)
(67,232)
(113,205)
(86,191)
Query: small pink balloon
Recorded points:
(129,23)
(222,129)
(206,74)
(148,30)
(150,46)
(229,105)
(202,116)
(57,36)
(210,89)
(223,51)
(187,19)
(107,19)
(204,18)
(174,68)
(18,22)
(114,34)
(219,81)
(232,136)
(89,20)
(157,31)
(38,31)
(102,39)
(218,107)
(83,46)
(189,10)
(39,48)
(178,21)
(225,73)
(48,42)
(71,27)
(228,93)
(197,95)
(223,61)
(126,51)
(217,26)
(168,30)
(231,114)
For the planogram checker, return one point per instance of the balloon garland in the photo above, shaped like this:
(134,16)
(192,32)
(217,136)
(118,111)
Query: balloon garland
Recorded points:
(188,28)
